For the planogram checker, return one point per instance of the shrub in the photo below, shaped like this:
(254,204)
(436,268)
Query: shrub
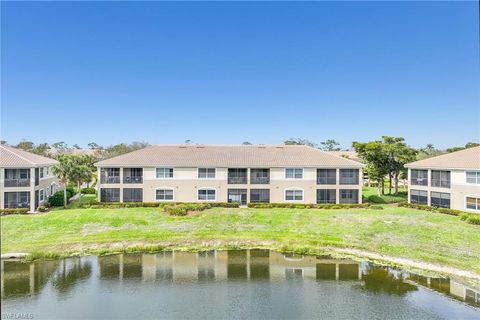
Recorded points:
(224,205)
(88,191)
(375,207)
(42,208)
(464,216)
(178,210)
(8,211)
(473,219)
(57,199)
(375,199)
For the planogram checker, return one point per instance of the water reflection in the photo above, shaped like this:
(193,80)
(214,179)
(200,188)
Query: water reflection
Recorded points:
(254,266)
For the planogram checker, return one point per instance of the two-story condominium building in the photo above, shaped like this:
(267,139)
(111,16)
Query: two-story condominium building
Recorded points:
(26,179)
(449,181)
(246,173)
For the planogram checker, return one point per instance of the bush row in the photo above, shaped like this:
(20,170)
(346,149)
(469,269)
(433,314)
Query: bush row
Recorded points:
(307,206)
(94,204)
(56,200)
(184,208)
(8,211)
(471,218)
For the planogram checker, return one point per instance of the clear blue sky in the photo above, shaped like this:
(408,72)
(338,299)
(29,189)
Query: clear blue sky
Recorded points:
(220,72)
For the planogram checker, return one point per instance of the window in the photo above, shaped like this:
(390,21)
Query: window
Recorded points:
(326,196)
(440,179)
(419,177)
(41,196)
(348,196)
(260,195)
(133,175)
(419,197)
(206,194)
(472,203)
(206,173)
(164,194)
(294,195)
(294,173)
(348,176)
(473,177)
(41,172)
(440,200)
(110,195)
(132,195)
(326,176)
(164,173)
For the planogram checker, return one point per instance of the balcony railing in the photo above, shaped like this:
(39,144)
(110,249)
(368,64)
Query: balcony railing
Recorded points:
(110,179)
(17,183)
(441,183)
(237,180)
(259,180)
(132,179)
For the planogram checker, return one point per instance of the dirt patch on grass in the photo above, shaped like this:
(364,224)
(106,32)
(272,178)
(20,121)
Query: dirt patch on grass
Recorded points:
(94,228)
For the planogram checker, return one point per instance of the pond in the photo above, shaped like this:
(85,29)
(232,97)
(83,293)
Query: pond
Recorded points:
(227,284)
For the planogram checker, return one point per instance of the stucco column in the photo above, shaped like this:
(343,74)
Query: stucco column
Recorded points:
(409,174)
(121,185)
(360,185)
(98,185)
(2,192)
(337,189)
(32,190)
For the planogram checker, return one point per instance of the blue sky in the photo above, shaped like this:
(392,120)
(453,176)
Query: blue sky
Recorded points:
(226,72)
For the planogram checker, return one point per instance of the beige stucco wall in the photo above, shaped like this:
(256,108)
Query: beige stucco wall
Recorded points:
(186,184)
(459,188)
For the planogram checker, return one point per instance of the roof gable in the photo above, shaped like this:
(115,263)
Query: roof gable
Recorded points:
(463,159)
(13,157)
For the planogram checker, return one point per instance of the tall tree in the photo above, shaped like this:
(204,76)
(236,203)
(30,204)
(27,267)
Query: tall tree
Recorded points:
(41,149)
(399,154)
(64,170)
(330,145)
(300,141)
(25,145)
(376,159)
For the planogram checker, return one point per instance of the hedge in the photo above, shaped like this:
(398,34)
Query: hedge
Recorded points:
(88,191)
(8,211)
(96,205)
(471,218)
(307,206)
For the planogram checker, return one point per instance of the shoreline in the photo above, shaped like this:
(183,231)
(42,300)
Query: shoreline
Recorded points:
(334,252)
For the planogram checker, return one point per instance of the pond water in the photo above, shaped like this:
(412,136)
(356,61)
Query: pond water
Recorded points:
(227,284)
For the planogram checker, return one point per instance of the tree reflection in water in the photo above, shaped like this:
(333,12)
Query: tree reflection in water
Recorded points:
(378,279)
(70,273)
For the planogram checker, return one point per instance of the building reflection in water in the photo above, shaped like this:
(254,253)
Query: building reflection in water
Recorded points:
(27,279)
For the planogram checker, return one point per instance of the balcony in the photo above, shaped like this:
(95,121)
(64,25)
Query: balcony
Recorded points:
(237,176)
(17,183)
(109,175)
(133,175)
(259,176)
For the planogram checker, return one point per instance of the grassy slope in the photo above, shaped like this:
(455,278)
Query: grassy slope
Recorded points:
(388,198)
(400,232)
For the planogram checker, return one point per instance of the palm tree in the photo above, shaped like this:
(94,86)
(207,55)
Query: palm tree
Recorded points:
(63,172)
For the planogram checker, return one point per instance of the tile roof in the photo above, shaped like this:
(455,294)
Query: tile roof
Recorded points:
(230,156)
(352,155)
(463,159)
(12,157)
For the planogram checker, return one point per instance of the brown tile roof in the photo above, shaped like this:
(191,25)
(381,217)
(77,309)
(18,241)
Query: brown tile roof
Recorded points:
(463,159)
(12,157)
(229,156)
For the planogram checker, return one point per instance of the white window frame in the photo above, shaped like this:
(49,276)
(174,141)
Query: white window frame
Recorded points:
(476,196)
(294,173)
(41,172)
(293,189)
(162,178)
(206,178)
(206,200)
(477,177)
(164,188)
(41,195)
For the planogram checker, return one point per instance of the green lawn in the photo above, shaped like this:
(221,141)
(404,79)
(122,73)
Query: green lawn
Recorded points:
(399,232)
(387,198)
